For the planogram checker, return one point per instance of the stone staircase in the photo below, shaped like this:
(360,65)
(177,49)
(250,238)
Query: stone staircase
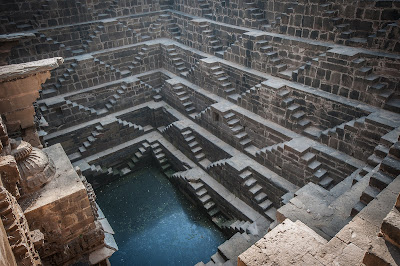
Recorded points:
(381,39)
(213,43)
(85,110)
(184,99)
(162,160)
(195,148)
(115,98)
(265,206)
(320,174)
(177,62)
(166,21)
(253,13)
(86,144)
(202,195)
(239,132)
(271,57)
(64,78)
(222,80)
(388,171)
(135,65)
(295,113)
(206,10)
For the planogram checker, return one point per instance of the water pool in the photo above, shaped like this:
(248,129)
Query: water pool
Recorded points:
(154,224)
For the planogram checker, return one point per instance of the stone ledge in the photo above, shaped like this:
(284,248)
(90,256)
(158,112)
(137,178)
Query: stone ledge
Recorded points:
(17,71)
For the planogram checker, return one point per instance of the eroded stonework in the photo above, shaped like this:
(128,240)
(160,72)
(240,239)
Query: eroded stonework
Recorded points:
(269,115)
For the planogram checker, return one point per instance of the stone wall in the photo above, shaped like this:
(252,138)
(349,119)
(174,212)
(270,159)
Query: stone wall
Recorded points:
(20,15)
(357,24)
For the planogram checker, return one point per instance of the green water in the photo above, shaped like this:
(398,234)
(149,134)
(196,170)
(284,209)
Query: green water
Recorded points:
(154,224)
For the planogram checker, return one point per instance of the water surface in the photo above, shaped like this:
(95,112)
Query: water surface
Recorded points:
(154,224)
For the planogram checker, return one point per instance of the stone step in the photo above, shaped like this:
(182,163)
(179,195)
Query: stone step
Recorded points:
(380,180)
(255,189)
(369,194)
(205,198)
(250,182)
(265,205)
(196,150)
(326,182)
(245,175)
(200,156)
(233,122)
(201,192)
(246,142)
(260,197)
(320,174)
(314,165)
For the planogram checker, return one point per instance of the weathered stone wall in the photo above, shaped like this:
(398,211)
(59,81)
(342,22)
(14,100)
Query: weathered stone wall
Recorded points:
(260,134)
(6,255)
(364,77)
(340,21)
(236,12)
(21,15)
(297,162)
(63,113)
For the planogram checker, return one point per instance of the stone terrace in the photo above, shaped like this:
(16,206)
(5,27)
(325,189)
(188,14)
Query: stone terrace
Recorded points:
(257,110)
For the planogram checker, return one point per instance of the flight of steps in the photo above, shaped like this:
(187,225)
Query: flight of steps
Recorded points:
(254,13)
(264,205)
(195,148)
(388,171)
(162,159)
(234,226)
(375,83)
(83,149)
(134,68)
(214,44)
(177,62)
(239,132)
(165,20)
(382,37)
(294,112)
(320,175)
(115,98)
(272,58)
(206,11)
(64,78)
(184,99)
(128,125)
(86,110)
(222,79)
(380,152)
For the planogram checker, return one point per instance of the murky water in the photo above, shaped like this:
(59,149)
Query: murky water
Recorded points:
(154,224)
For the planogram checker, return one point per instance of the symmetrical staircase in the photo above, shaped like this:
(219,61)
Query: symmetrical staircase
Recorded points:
(195,148)
(213,43)
(265,206)
(162,159)
(239,132)
(222,80)
(320,175)
(388,171)
(184,99)
(177,62)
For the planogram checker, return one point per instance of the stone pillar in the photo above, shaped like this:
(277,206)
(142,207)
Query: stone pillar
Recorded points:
(19,89)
